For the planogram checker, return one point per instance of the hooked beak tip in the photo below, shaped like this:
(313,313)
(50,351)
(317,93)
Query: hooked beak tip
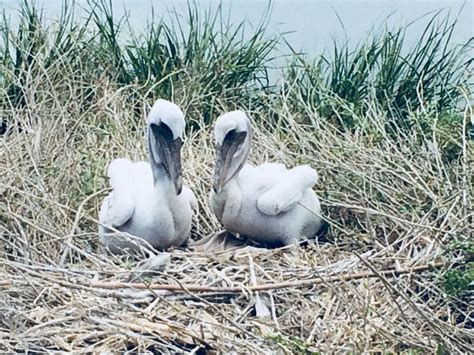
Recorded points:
(217,184)
(178,185)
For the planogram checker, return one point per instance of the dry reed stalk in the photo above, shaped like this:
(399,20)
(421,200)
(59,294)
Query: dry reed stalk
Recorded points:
(251,288)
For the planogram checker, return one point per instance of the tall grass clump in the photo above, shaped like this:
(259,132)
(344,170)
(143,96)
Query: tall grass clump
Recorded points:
(34,49)
(434,72)
(203,57)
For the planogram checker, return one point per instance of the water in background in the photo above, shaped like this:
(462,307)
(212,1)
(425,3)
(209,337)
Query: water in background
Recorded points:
(313,23)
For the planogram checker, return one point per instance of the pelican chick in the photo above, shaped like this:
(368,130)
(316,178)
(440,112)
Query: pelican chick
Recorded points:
(267,203)
(148,200)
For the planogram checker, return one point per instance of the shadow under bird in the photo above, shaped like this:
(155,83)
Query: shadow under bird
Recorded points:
(267,203)
(148,200)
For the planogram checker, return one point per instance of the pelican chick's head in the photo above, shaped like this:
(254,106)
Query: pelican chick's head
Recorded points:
(165,130)
(232,134)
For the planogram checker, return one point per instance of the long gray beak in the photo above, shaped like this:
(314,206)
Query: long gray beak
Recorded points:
(167,151)
(225,166)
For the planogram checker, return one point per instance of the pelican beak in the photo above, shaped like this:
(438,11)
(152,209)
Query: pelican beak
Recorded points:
(167,151)
(225,167)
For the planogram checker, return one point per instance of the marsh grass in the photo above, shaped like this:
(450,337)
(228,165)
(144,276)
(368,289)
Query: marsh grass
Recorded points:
(433,72)
(395,196)
(211,60)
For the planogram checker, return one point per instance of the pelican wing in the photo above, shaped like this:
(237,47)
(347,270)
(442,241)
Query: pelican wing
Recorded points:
(119,206)
(190,197)
(116,210)
(288,191)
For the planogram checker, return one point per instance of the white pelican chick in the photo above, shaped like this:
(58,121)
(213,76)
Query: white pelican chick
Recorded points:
(267,203)
(148,200)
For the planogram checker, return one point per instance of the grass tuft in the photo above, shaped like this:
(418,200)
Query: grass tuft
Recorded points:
(434,72)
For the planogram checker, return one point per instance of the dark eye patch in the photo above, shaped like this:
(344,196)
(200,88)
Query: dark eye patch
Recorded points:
(230,136)
(162,130)
(235,138)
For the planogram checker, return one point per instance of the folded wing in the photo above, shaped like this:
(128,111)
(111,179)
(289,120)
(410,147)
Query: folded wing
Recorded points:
(118,207)
(187,192)
(288,191)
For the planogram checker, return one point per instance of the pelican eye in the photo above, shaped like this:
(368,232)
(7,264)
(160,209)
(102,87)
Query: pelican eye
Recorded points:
(230,136)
